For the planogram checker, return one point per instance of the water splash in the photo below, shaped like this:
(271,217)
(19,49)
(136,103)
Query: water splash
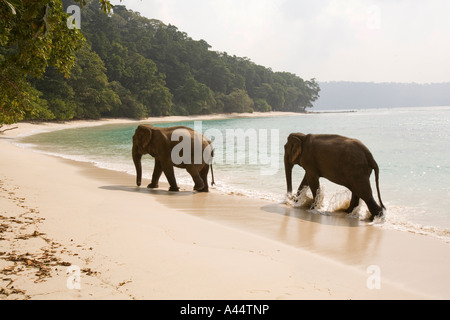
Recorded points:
(302,199)
(340,201)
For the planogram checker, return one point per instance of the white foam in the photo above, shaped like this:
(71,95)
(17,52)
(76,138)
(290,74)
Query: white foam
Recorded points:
(398,218)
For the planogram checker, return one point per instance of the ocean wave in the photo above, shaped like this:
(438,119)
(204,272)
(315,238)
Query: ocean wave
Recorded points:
(398,218)
(229,189)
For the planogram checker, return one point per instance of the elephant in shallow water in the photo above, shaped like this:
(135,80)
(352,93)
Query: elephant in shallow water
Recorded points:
(179,147)
(344,161)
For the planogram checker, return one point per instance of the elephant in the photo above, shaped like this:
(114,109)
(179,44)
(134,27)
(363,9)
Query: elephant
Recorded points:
(193,153)
(344,161)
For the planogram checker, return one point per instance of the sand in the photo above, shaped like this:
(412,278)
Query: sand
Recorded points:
(69,230)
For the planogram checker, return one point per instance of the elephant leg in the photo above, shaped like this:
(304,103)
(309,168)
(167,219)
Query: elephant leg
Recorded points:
(303,184)
(313,182)
(374,208)
(157,171)
(170,175)
(367,196)
(353,203)
(204,176)
(199,184)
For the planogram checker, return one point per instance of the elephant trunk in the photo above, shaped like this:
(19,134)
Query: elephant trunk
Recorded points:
(288,172)
(137,163)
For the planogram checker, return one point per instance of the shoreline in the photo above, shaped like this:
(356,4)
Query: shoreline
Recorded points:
(130,242)
(30,127)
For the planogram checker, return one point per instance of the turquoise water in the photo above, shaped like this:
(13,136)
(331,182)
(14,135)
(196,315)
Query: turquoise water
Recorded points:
(411,147)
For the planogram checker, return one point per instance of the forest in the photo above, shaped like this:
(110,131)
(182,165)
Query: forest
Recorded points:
(130,66)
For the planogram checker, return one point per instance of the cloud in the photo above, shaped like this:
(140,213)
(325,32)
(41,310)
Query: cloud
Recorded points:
(355,40)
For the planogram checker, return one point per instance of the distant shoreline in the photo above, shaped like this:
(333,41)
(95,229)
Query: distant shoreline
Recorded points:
(369,95)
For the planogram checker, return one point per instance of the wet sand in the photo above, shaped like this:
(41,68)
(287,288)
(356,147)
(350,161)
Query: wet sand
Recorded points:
(124,242)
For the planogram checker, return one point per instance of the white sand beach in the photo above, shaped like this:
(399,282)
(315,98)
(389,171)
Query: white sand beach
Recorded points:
(69,230)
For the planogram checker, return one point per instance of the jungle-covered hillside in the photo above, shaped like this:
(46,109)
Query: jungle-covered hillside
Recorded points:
(135,67)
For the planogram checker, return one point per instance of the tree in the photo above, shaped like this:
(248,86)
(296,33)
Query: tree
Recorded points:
(116,62)
(195,98)
(261,105)
(58,94)
(129,106)
(237,101)
(33,36)
(143,80)
(93,95)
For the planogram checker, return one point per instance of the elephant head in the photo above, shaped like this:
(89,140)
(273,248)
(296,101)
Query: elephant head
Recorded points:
(292,153)
(141,142)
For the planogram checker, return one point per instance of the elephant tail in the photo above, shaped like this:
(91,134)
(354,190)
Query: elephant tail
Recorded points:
(212,176)
(212,171)
(374,166)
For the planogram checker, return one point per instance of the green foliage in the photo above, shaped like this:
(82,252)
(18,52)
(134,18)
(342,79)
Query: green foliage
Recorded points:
(125,65)
(195,97)
(237,101)
(129,106)
(141,77)
(89,82)
(33,35)
(59,96)
(261,105)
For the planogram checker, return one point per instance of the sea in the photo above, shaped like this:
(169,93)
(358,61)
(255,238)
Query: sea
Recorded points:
(410,145)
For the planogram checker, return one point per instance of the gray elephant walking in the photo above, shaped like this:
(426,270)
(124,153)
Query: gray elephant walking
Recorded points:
(344,161)
(171,147)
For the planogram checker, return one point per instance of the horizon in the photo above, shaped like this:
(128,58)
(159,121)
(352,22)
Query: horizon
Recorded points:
(386,82)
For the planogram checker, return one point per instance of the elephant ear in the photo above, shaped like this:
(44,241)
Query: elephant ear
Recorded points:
(146,136)
(296,145)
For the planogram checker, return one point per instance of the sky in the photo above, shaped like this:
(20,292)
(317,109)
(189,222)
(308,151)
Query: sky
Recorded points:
(329,40)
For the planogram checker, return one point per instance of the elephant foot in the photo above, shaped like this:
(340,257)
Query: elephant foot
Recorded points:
(354,202)
(349,210)
(205,189)
(174,189)
(375,210)
(201,188)
(153,186)
(379,216)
